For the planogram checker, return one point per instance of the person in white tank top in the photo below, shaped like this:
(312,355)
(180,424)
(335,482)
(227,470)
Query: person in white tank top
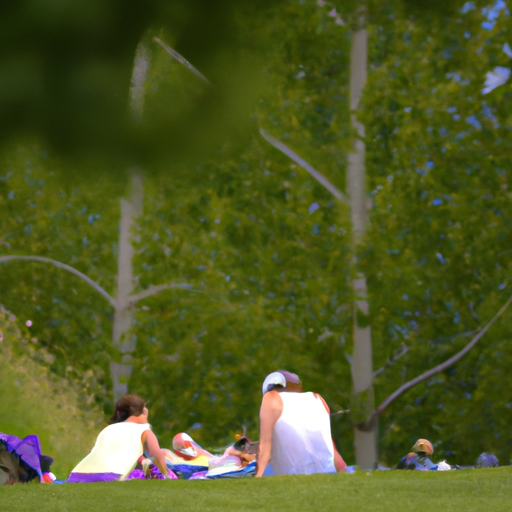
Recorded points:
(119,445)
(295,429)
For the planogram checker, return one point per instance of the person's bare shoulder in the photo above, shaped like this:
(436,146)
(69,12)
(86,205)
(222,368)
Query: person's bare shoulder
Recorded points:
(272,401)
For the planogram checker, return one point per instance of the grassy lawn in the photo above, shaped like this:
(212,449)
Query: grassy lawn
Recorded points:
(468,490)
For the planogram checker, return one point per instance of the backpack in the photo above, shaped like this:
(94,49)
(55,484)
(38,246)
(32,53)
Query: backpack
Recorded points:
(12,468)
(21,459)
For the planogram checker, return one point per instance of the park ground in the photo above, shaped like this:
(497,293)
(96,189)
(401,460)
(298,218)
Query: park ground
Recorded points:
(465,490)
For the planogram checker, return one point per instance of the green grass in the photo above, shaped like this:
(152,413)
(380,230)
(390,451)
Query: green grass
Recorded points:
(396,491)
(33,401)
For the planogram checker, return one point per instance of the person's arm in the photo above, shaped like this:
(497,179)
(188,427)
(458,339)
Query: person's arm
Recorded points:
(270,412)
(152,447)
(339,463)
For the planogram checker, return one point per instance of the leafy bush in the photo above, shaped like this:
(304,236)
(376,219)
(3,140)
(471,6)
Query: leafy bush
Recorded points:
(34,401)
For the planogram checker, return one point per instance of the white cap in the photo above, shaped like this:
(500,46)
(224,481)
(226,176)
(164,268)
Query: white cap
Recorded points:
(273,378)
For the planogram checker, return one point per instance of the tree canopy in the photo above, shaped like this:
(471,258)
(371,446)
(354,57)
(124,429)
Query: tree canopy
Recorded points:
(265,249)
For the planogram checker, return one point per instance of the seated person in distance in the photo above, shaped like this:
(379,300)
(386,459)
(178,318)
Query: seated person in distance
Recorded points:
(418,458)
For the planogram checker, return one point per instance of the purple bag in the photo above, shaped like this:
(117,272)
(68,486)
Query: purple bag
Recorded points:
(21,459)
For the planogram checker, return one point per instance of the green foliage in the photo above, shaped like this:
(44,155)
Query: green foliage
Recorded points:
(74,225)
(306,105)
(66,68)
(264,248)
(437,251)
(268,280)
(33,401)
(276,235)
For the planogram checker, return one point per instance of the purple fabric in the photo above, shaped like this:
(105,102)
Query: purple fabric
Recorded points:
(27,448)
(136,474)
(154,474)
(83,478)
(200,475)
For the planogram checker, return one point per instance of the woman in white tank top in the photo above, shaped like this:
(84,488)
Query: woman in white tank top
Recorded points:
(119,445)
(295,429)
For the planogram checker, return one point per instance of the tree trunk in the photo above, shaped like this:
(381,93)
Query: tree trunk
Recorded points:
(362,371)
(131,207)
(121,370)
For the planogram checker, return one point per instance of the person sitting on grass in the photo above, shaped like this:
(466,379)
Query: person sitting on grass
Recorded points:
(418,458)
(120,445)
(295,429)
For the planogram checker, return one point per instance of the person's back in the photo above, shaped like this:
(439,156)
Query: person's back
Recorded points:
(119,445)
(295,429)
(117,448)
(302,436)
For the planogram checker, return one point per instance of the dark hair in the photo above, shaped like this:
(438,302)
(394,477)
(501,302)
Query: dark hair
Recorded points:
(270,387)
(126,406)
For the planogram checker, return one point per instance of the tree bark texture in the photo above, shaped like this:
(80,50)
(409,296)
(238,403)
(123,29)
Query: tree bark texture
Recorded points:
(365,440)
(131,208)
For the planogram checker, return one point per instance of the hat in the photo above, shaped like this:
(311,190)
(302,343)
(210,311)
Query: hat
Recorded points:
(287,380)
(273,379)
(424,446)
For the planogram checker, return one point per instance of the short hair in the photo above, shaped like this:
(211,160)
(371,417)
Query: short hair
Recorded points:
(274,386)
(126,406)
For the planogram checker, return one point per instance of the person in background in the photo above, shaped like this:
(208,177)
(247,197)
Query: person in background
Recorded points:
(295,429)
(487,460)
(119,446)
(418,458)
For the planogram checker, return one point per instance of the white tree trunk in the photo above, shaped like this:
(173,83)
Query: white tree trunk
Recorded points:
(362,368)
(131,208)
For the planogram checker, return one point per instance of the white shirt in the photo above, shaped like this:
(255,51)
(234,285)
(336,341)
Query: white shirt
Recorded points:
(302,442)
(117,449)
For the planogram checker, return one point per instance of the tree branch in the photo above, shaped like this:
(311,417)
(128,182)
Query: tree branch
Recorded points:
(439,368)
(404,349)
(63,266)
(343,411)
(448,338)
(392,360)
(336,192)
(175,55)
(152,290)
(472,311)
